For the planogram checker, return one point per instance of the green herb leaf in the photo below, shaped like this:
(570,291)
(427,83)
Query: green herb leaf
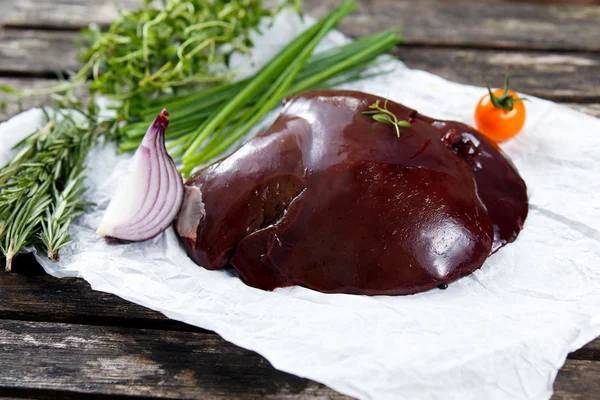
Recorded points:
(7,89)
(180,43)
(385,116)
(41,188)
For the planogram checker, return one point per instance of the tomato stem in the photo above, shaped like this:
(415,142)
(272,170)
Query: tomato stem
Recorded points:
(506,101)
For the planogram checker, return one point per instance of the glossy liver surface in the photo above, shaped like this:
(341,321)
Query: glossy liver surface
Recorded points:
(330,199)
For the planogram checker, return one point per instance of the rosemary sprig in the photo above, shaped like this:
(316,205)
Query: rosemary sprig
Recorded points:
(385,116)
(40,188)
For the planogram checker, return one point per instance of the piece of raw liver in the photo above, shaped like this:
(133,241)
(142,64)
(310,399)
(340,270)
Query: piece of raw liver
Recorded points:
(330,199)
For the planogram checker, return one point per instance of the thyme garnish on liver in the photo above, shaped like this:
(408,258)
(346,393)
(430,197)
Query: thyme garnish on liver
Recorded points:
(385,116)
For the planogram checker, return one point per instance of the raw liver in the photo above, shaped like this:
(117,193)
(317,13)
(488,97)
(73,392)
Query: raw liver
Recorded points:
(330,199)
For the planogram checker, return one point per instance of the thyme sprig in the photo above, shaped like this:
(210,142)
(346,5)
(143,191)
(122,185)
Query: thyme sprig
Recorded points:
(385,116)
(41,188)
(165,47)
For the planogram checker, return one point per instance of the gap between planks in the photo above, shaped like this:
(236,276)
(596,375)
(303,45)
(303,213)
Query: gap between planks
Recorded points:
(414,43)
(17,393)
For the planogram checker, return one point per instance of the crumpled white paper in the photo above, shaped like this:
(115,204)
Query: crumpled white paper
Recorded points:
(501,333)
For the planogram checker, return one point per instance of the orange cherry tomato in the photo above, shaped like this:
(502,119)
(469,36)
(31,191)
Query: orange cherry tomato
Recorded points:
(503,120)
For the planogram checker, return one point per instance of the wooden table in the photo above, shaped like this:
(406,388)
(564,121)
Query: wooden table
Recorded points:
(59,339)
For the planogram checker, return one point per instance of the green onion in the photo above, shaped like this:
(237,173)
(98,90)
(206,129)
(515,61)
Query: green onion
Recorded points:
(207,101)
(263,78)
(287,69)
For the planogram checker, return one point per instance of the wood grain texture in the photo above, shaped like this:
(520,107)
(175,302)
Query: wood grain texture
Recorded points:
(541,1)
(63,14)
(31,295)
(578,380)
(556,76)
(590,351)
(37,53)
(441,23)
(473,24)
(9,105)
(161,364)
(93,360)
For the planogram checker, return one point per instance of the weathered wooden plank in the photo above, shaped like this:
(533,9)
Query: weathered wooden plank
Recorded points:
(578,380)
(9,104)
(429,22)
(473,24)
(558,76)
(162,364)
(37,53)
(63,14)
(555,76)
(31,295)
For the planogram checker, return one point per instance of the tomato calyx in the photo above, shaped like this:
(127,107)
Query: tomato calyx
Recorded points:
(506,101)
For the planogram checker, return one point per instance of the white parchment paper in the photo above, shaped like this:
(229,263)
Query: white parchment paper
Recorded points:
(501,333)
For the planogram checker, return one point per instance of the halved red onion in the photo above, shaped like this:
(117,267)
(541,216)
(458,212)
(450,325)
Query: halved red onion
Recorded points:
(150,196)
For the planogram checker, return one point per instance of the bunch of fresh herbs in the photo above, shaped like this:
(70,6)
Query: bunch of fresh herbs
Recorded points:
(41,187)
(184,43)
(143,59)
